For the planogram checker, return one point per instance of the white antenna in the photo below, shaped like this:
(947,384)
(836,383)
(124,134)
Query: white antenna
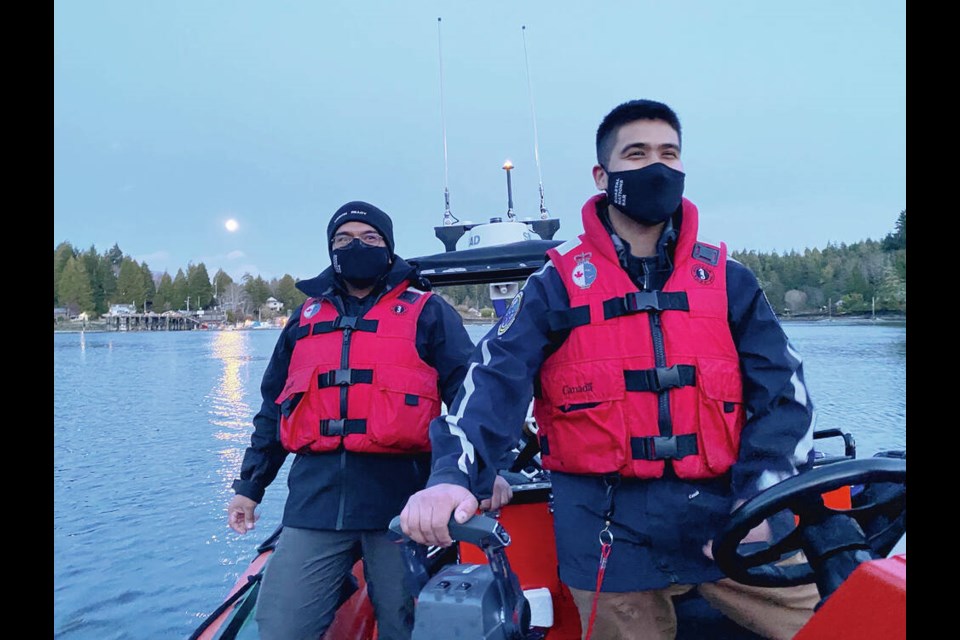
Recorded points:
(448,218)
(544,214)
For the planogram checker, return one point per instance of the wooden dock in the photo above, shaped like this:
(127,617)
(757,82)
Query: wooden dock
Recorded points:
(168,321)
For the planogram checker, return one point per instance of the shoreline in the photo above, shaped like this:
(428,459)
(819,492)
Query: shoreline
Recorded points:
(97,327)
(858,317)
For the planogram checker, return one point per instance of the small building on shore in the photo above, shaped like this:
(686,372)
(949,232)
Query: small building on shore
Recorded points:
(121,310)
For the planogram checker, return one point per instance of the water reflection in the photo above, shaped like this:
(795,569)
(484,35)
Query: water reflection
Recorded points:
(230,412)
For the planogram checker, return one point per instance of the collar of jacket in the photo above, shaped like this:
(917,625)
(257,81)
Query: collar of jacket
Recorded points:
(665,244)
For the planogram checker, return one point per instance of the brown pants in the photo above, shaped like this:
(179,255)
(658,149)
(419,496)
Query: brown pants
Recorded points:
(649,615)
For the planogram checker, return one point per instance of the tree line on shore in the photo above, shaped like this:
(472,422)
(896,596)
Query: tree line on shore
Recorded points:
(866,276)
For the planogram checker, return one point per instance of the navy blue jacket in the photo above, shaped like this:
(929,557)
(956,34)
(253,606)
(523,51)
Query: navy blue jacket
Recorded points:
(661,525)
(343,490)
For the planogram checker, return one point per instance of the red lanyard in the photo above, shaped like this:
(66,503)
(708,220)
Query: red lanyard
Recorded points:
(606,542)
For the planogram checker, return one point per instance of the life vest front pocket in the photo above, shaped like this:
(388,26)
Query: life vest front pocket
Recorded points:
(581,412)
(721,412)
(302,406)
(403,403)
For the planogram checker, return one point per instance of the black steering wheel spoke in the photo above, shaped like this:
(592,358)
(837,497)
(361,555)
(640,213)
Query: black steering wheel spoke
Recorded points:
(788,544)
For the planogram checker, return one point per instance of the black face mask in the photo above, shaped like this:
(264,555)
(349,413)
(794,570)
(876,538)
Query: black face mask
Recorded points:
(360,264)
(649,195)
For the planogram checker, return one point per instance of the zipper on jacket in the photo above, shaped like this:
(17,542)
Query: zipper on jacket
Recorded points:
(660,360)
(645,283)
(344,364)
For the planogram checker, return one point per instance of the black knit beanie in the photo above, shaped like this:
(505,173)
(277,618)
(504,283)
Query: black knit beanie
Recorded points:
(362,212)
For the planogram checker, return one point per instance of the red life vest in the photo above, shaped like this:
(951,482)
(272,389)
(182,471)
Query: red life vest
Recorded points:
(359,381)
(644,376)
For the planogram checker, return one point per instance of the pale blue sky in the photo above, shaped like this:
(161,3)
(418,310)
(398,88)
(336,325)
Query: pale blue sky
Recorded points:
(172,117)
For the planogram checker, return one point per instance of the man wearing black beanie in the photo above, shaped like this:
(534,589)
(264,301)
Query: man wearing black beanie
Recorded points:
(362,212)
(361,246)
(358,372)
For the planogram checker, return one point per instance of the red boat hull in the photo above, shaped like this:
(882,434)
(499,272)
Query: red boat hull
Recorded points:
(870,605)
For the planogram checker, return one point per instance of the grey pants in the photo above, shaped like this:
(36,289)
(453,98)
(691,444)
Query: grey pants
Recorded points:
(307,573)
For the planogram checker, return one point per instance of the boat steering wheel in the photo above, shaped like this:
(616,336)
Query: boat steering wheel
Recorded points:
(865,531)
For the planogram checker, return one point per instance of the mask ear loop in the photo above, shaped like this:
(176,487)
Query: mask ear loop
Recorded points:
(606,171)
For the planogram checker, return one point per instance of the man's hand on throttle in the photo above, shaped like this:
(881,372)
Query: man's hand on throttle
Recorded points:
(424,518)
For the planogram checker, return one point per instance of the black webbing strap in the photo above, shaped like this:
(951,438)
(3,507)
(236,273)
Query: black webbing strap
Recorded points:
(342,427)
(530,448)
(660,378)
(661,448)
(344,377)
(302,332)
(346,322)
(566,319)
(638,301)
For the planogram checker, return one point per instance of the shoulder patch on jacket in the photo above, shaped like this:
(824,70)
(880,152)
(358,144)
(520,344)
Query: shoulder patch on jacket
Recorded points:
(410,295)
(311,310)
(706,253)
(584,273)
(510,314)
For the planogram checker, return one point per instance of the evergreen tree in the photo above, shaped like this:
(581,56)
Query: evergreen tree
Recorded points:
(149,286)
(858,285)
(791,270)
(107,281)
(749,259)
(199,288)
(898,239)
(130,286)
(91,263)
(163,299)
(115,257)
(257,290)
(179,290)
(775,291)
(61,255)
(75,292)
(286,292)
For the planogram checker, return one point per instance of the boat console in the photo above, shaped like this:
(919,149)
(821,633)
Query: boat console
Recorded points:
(470,600)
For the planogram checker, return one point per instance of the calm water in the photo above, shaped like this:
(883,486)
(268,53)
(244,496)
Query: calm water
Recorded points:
(150,429)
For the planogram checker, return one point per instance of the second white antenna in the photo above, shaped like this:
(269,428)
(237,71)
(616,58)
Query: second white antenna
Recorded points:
(448,218)
(544,214)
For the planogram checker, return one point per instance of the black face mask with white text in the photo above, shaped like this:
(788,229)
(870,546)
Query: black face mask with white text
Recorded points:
(649,195)
(360,264)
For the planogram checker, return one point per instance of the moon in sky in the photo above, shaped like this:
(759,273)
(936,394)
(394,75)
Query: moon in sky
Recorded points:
(231,225)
